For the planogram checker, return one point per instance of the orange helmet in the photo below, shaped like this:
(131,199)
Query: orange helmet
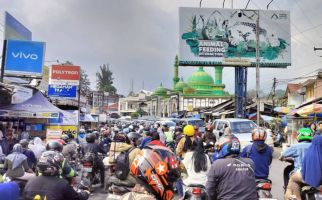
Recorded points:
(157,168)
(259,134)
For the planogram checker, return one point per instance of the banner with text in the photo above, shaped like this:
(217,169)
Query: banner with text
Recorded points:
(64,75)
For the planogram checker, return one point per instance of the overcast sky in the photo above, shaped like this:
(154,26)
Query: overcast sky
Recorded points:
(139,38)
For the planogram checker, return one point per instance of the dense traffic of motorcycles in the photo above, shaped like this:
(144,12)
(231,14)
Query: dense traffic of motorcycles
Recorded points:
(138,160)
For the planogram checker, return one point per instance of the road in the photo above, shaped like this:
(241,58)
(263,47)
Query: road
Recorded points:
(276,175)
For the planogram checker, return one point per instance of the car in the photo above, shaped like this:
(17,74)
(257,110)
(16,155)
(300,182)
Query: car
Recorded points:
(194,122)
(168,123)
(241,128)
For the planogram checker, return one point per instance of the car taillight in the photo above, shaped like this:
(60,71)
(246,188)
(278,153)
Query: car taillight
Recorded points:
(196,191)
(87,164)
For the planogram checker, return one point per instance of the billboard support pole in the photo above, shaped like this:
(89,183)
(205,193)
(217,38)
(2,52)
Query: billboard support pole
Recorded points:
(79,108)
(257,68)
(3,60)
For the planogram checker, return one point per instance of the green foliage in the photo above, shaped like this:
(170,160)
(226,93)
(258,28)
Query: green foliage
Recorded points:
(84,83)
(275,124)
(135,115)
(104,79)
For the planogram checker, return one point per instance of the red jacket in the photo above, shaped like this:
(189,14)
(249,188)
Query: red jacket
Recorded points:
(156,142)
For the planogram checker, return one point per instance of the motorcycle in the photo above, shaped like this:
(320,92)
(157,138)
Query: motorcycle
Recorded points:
(116,188)
(263,187)
(89,173)
(195,192)
(307,192)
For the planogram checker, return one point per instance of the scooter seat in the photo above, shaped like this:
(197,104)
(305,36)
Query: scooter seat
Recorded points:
(196,185)
(308,189)
(263,181)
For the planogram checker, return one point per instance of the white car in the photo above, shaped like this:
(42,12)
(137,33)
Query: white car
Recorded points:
(241,128)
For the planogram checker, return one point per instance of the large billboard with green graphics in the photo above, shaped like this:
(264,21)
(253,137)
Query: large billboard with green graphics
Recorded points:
(227,37)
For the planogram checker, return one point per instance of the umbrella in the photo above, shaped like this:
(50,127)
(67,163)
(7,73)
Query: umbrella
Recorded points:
(310,109)
(284,110)
(266,118)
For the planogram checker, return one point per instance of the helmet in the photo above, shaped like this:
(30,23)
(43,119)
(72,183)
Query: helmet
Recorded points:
(24,143)
(81,130)
(49,163)
(259,134)
(65,138)
(90,137)
(189,130)
(54,145)
(157,169)
(304,134)
(133,136)
(228,145)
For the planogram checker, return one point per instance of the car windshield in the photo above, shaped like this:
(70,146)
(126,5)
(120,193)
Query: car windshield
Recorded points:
(242,127)
(199,123)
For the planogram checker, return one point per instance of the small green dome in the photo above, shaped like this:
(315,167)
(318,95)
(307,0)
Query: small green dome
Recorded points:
(160,91)
(201,80)
(180,85)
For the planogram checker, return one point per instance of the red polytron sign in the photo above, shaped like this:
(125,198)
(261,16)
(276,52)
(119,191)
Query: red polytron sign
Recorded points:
(65,72)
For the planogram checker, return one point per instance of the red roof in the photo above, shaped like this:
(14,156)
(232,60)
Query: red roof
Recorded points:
(291,87)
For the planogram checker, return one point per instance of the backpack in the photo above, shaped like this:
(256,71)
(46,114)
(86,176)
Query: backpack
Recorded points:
(122,167)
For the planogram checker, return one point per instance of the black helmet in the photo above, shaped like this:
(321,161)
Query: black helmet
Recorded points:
(90,137)
(54,146)
(24,143)
(65,138)
(49,163)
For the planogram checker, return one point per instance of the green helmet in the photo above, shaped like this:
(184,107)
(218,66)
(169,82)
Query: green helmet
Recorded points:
(304,134)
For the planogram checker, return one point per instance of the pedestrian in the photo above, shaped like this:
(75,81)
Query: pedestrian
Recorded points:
(38,147)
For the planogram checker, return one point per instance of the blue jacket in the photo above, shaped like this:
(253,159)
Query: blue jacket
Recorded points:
(145,142)
(31,158)
(297,152)
(312,163)
(9,191)
(262,156)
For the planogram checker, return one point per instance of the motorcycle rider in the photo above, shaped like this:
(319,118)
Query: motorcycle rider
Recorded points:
(297,152)
(91,147)
(260,153)
(231,177)
(319,129)
(188,132)
(81,136)
(156,169)
(31,158)
(50,185)
(156,139)
(67,170)
(146,137)
(69,149)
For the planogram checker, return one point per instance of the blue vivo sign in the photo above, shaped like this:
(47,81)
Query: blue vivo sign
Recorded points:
(62,91)
(24,57)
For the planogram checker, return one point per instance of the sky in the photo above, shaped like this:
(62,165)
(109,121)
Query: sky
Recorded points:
(140,38)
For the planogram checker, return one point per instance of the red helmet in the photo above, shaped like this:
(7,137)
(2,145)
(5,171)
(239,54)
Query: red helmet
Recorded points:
(259,134)
(157,168)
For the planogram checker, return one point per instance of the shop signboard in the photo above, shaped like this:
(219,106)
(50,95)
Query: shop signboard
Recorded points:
(64,75)
(21,94)
(64,129)
(53,134)
(15,30)
(68,91)
(26,114)
(227,37)
(24,58)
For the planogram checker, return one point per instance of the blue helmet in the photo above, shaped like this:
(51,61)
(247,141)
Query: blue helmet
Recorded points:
(228,145)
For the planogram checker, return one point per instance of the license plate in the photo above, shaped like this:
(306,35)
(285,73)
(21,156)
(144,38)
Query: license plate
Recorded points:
(88,169)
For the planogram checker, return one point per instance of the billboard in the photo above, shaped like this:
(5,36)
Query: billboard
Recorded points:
(64,75)
(24,58)
(14,29)
(68,91)
(227,37)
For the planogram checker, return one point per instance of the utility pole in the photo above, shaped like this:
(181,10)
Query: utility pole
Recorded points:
(273,92)
(257,68)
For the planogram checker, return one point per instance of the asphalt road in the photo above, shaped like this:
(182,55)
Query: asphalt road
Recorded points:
(276,175)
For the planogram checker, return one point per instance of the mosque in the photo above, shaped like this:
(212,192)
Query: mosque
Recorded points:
(200,91)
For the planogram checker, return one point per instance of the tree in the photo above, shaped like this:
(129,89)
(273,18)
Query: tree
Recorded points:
(84,83)
(104,79)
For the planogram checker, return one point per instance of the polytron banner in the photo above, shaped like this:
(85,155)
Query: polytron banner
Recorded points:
(227,37)
(64,75)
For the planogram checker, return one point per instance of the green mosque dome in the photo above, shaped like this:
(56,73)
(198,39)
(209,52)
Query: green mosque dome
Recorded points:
(201,81)
(180,85)
(160,91)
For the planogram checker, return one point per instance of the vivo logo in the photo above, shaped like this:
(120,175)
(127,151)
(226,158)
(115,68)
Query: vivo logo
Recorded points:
(22,55)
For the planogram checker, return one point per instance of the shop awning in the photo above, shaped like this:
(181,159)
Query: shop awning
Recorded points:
(37,106)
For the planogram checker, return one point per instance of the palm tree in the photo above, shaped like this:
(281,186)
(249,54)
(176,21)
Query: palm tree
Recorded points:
(104,79)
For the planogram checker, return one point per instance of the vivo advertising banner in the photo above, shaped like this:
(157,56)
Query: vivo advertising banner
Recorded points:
(64,75)
(227,37)
(14,29)
(68,91)
(24,58)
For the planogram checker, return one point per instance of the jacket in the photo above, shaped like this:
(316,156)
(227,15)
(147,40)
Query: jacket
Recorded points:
(179,149)
(31,158)
(232,179)
(116,148)
(9,191)
(92,147)
(262,156)
(297,152)
(312,163)
(51,187)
